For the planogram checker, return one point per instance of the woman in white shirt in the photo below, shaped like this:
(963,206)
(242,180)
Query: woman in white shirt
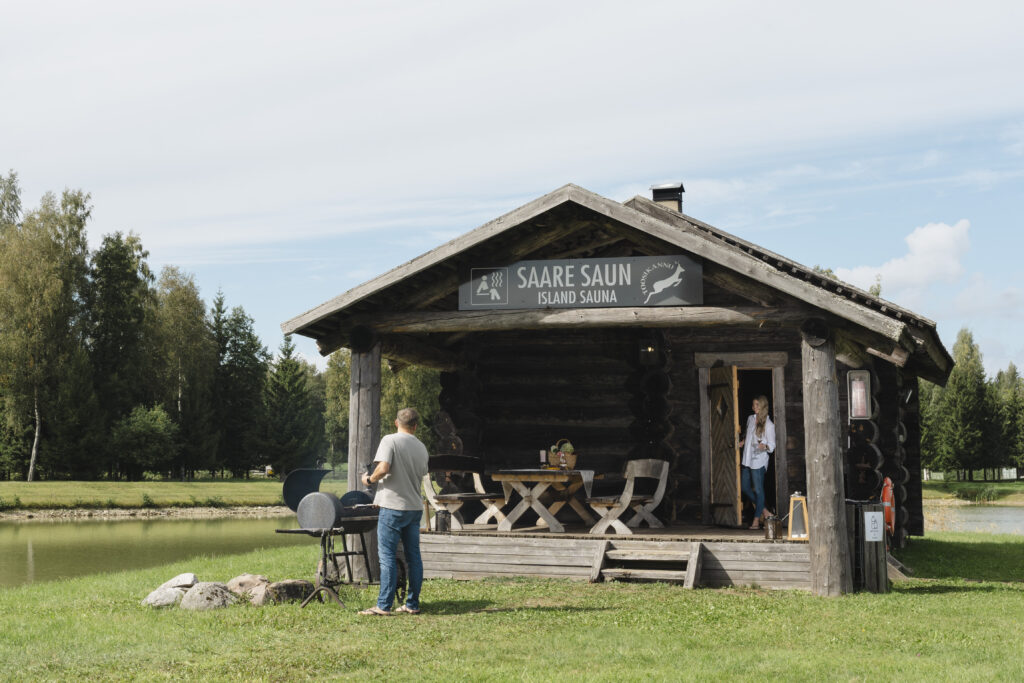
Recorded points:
(757,444)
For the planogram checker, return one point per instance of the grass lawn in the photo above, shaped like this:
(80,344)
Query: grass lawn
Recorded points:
(958,619)
(994,492)
(114,494)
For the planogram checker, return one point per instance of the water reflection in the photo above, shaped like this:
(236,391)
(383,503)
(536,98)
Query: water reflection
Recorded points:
(988,519)
(45,551)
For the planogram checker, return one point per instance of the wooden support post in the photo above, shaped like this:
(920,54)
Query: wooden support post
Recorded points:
(830,551)
(363,437)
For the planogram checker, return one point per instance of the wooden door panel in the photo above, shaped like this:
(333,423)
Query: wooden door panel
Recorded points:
(725,468)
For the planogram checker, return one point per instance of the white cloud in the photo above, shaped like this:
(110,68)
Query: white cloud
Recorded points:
(934,255)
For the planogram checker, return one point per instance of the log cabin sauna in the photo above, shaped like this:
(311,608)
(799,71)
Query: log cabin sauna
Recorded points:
(636,331)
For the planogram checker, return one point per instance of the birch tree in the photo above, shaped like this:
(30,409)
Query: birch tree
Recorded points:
(43,270)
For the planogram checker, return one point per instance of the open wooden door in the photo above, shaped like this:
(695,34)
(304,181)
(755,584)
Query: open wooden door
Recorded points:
(726,504)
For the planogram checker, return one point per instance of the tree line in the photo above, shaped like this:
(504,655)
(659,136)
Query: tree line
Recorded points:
(973,423)
(109,371)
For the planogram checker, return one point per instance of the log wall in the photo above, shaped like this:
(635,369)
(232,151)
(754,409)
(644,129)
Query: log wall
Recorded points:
(523,391)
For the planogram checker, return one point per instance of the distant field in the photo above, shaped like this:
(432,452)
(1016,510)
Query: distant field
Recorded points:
(996,492)
(109,494)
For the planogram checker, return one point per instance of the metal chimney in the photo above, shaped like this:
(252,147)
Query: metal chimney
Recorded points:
(669,195)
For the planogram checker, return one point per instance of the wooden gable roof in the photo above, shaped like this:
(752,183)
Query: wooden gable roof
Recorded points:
(420,297)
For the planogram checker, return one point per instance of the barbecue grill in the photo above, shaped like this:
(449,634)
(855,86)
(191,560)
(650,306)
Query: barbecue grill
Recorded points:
(324,515)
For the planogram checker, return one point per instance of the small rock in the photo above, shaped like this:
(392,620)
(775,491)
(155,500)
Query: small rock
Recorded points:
(165,596)
(290,590)
(207,595)
(185,581)
(246,583)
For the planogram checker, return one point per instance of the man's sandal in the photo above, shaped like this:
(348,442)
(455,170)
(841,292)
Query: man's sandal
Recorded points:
(405,609)
(374,612)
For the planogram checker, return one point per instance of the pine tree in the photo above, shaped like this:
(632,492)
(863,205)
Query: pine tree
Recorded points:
(964,419)
(238,387)
(121,303)
(1009,398)
(291,438)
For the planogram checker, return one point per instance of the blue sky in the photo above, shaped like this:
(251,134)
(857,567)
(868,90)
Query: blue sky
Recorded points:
(287,153)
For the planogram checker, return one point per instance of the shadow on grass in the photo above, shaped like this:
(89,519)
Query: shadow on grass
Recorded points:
(449,607)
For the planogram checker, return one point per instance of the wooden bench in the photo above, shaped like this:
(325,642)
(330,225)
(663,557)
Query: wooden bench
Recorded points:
(453,501)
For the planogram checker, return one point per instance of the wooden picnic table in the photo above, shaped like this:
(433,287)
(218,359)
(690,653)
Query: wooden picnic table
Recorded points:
(531,484)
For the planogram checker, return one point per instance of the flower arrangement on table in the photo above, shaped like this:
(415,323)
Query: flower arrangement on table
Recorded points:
(562,455)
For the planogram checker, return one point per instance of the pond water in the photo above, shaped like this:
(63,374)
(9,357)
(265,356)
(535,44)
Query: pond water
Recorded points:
(33,552)
(990,519)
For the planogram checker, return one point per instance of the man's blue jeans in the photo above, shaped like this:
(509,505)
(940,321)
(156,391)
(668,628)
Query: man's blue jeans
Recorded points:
(392,526)
(752,485)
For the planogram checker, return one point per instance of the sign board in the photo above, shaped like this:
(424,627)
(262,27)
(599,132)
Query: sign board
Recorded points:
(874,526)
(633,281)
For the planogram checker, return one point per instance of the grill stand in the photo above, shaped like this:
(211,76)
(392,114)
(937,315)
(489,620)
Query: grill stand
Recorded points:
(324,584)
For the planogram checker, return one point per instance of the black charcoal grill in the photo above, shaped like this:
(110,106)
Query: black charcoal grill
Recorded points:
(324,515)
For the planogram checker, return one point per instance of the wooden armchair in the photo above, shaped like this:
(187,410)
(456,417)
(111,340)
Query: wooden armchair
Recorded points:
(610,508)
(453,501)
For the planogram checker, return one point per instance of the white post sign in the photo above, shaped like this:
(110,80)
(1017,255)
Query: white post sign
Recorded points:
(874,527)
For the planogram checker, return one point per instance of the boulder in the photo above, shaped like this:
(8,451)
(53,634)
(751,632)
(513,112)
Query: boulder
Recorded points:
(290,590)
(245,584)
(185,581)
(207,595)
(165,596)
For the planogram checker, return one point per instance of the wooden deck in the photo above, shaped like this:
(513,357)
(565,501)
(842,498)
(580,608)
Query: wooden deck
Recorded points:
(693,556)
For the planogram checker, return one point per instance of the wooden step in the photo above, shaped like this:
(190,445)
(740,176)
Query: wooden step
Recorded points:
(648,555)
(644,574)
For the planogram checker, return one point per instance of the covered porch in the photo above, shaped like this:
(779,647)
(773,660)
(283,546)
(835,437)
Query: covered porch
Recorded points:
(657,361)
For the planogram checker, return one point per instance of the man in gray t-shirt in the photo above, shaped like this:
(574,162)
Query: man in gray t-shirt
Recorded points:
(401,465)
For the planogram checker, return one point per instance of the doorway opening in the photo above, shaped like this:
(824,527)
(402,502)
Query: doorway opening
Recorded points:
(751,383)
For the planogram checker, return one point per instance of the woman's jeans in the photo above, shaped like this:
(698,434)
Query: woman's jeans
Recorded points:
(752,485)
(392,526)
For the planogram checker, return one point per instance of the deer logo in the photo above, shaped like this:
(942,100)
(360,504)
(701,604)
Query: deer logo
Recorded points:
(672,280)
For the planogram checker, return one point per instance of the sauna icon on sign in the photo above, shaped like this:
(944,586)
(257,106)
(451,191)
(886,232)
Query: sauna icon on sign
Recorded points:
(490,286)
(585,283)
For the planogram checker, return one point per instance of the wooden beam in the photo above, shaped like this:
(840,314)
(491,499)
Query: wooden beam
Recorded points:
(781,449)
(422,322)
(363,437)
(407,350)
(676,229)
(830,553)
(737,284)
(934,350)
(742,359)
(403,349)
(850,353)
(898,356)
(442,286)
